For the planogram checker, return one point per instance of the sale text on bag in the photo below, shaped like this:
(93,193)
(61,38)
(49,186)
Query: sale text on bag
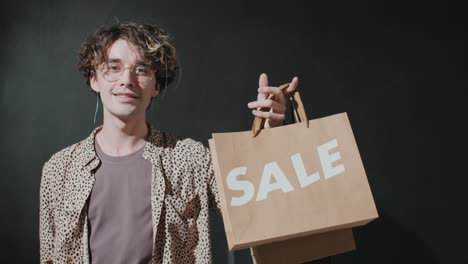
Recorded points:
(272,170)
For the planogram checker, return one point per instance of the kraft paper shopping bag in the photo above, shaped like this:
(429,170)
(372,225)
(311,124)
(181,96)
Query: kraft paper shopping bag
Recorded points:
(290,182)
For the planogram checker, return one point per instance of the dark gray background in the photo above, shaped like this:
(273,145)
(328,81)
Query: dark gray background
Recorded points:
(397,68)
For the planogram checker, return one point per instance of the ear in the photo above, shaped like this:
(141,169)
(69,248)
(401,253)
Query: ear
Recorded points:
(93,82)
(156,90)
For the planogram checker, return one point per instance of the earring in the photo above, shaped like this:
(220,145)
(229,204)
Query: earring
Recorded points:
(97,107)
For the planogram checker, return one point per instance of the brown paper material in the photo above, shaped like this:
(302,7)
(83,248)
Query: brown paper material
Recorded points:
(303,249)
(283,205)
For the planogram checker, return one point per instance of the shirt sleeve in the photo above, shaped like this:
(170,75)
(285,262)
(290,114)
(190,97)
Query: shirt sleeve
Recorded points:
(212,187)
(46,216)
(201,159)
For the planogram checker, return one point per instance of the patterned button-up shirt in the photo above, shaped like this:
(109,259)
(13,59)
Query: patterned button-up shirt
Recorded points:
(183,189)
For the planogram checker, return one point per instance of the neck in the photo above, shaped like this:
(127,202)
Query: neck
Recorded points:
(119,137)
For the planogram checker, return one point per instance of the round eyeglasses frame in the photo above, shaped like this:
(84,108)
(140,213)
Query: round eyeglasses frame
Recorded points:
(106,71)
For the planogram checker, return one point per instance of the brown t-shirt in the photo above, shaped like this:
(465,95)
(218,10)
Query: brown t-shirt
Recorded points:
(119,212)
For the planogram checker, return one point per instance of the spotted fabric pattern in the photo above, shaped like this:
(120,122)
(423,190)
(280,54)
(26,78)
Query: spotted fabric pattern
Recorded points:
(183,190)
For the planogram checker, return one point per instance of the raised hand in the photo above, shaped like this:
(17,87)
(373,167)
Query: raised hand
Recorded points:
(272,109)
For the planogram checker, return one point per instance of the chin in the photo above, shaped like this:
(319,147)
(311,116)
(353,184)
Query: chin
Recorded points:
(124,112)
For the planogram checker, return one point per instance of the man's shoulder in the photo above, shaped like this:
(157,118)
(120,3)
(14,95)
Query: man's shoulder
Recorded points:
(53,169)
(183,149)
(182,144)
(64,155)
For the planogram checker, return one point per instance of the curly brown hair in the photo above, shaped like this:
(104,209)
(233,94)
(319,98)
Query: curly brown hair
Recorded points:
(151,40)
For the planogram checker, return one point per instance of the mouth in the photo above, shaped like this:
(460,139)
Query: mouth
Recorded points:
(125,95)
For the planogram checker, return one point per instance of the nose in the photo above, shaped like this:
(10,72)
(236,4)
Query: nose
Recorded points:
(127,78)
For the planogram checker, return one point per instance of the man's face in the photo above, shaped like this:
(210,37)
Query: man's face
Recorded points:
(124,96)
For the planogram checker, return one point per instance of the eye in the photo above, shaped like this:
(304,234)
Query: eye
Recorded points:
(114,67)
(142,69)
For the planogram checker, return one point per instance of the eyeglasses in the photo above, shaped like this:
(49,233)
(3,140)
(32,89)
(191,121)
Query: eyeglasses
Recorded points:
(112,71)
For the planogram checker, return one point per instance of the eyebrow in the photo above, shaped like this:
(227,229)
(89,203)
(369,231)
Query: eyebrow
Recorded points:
(119,60)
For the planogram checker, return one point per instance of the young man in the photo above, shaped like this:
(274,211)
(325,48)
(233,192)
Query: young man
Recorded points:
(129,193)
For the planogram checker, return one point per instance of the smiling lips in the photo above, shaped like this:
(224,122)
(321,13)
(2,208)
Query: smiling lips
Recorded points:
(131,95)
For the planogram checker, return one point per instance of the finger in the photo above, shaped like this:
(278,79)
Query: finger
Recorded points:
(275,117)
(292,86)
(262,81)
(269,90)
(261,96)
(276,91)
(271,104)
